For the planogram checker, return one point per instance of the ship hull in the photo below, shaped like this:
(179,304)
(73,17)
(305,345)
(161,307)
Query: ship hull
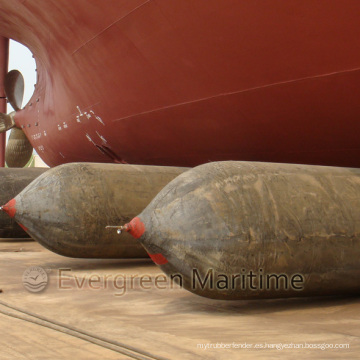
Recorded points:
(180,83)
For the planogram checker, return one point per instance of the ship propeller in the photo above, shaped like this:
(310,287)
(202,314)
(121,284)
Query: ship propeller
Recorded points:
(14,88)
(18,149)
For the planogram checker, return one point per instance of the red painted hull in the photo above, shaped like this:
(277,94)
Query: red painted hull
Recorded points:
(185,82)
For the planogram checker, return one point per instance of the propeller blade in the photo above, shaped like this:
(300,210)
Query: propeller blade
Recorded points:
(6,121)
(14,88)
(18,150)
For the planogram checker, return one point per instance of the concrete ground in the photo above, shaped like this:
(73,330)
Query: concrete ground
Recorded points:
(86,312)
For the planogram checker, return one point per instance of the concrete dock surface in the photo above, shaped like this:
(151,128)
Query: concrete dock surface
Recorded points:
(123,309)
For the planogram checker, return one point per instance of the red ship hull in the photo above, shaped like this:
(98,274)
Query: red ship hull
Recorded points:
(186,82)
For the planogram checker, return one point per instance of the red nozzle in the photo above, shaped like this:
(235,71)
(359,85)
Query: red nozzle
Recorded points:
(9,208)
(135,227)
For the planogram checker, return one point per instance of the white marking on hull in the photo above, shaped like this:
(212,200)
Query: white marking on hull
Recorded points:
(36,136)
(90,139)
(87,115)
(101,137)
